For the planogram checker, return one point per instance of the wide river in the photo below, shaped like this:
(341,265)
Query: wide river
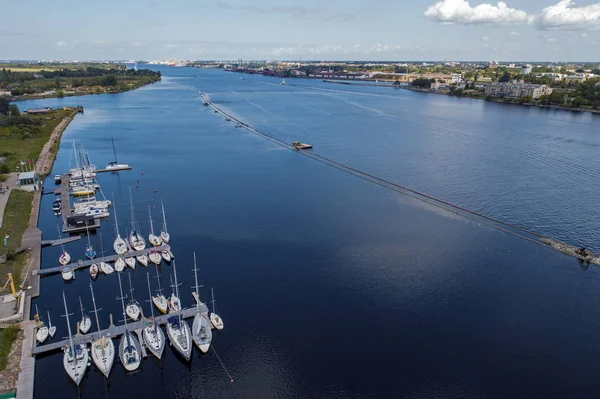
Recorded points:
(330,286)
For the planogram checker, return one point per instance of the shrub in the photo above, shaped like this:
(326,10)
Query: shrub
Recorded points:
(4,168)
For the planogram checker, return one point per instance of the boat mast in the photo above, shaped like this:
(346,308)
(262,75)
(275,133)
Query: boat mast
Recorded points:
(150,215)
(123,306)
(114,150)
(150,300)
(101,246)
(132,217)
(177,291)
(158,279)
(197,286)
(95,309)
(37,312)
(130,286)
(164,218)
(212,293)
(114,204)
(81,307)
(72,348)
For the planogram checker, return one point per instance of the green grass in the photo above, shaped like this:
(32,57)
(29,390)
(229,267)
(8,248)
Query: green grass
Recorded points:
(26,142)
(7,337)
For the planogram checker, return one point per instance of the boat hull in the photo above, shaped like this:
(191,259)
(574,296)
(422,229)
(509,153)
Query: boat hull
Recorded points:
(154,338)
(130,352)
(180,336)
(76,367)
(103,354)
(201,333)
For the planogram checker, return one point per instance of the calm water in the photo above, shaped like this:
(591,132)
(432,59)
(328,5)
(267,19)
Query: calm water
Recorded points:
(330,286)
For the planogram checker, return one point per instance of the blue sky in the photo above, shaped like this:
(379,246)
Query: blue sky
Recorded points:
(548,30)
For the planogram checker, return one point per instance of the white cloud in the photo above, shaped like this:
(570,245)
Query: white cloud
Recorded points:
(563,16)
(514,34)
(461,12)
(61,44)
(485,38)
(584,35)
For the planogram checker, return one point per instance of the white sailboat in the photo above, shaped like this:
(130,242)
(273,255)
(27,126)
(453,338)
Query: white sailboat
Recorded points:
(103,266)
(67,273)
(64,257)
(51,328)
(86,322)
(42,333)
(174,302)
(166,255)
(153,336)
(201,328)
(214,317)
(159,300)
(153,239)
(103,348)
(135,239)
(133,308)
(130,351)
(94,270)
(164,234)
(283,82)
(143,259)
(115,166)
(119,264)
(75,358)
(178,330)
(130,261)
(154,257)
(119,245)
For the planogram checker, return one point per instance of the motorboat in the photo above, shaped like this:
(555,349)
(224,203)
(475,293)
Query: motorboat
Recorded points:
(153,336)
(143,259)
(42,332)
(75,357)
(57,179)
(98,213)
(106,268)
(56,206)
(86,323)
(94,270)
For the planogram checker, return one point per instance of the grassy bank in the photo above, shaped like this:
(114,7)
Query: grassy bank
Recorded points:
(7,337)
(16,220)
(22,139)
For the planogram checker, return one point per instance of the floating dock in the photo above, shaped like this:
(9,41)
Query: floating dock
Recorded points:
(73,224)
(82,264)
(61,241)
(114,331)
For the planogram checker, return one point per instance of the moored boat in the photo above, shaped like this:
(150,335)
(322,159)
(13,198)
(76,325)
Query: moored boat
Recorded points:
(42,330)
(178,330)
(143,259)
(153,336)
(154,257)
(164,234)
(51,328)
(166,255)
(119,264)
(67,273)
(159,300)
(94,270)
(201,329)
(216,321)
(85,323)
(154,240)
(103,348)
(130,261)
(133,308)
(106,268)
(75,357)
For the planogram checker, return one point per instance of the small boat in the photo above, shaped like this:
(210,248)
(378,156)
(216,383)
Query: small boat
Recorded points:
(133,309)
(166,255)
(152,238)
(216,321)
(82,192)
(283,82)
(57,179)
(135,239)
(64,258)
(130,261)
(153,336)
(130,351)
(227,119)
(67,273)
(174,304)
(143,259)
(164,234)
(159,300)
(90,253)
(115,166)
(154,257)
(201,329)
(301,146)
(119,245)
(75,358)
(106,268)
(56,206)
(119,264)
(98,213)
(103,349)
(42,333)
(178,330)
(94,270)
(51,328)
(86,322)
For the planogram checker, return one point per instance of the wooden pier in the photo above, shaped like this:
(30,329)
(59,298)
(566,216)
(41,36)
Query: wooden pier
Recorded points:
(114,331)
(61,241)
(82,264)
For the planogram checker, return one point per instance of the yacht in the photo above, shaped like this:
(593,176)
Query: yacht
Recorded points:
(86,322)
(178,330)
(153,336)
(159,300)
(143,259)
(115,166)
(201,328)
(130,351)
(42,333)
(130,261)
(154,257)
(216,321)
(51,328)
(133,308)
(103,348)
(67,273)
(119,245)
(75,357)
(135,238)
(94,270)
(119,264)
(152,238)
(164,234)
(106,268)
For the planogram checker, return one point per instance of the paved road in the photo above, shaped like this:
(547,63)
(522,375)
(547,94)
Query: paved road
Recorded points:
(11,183)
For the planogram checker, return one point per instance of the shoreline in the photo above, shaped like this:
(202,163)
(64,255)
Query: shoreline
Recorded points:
(499,101)
(46,158)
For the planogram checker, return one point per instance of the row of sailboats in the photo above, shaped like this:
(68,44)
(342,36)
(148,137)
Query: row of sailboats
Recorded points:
(130,349)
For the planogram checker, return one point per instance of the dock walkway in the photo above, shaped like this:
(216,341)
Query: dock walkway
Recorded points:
(66,211)
(114,331)
(60,241)
(111,258)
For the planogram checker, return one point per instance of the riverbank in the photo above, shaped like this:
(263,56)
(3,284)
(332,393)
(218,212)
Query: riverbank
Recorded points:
(448,93)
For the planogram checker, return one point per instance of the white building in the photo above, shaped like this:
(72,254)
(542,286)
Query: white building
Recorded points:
(456,78)
(517,90)
(526,69)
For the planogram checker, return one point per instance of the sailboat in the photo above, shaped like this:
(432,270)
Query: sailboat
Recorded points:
(135,239)
(119,264)
(119,245)
(166,255)
(153,336)
(75,358)
(51,328)
(143,259)
(85,323)
(115,165)
(67,273)
(64,258)
(214,317)
(130,351)
(42,333)
(153,239)
(164,234)
(130,261)
(133,308)
(201,329)
(89,250)
(283,82)
(154,257)
(174,302)
(103,266)
(178,330)
(94,270)
(103,348)
(159,300)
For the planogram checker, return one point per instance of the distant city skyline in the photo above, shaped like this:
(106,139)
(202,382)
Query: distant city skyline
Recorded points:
(517,30)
